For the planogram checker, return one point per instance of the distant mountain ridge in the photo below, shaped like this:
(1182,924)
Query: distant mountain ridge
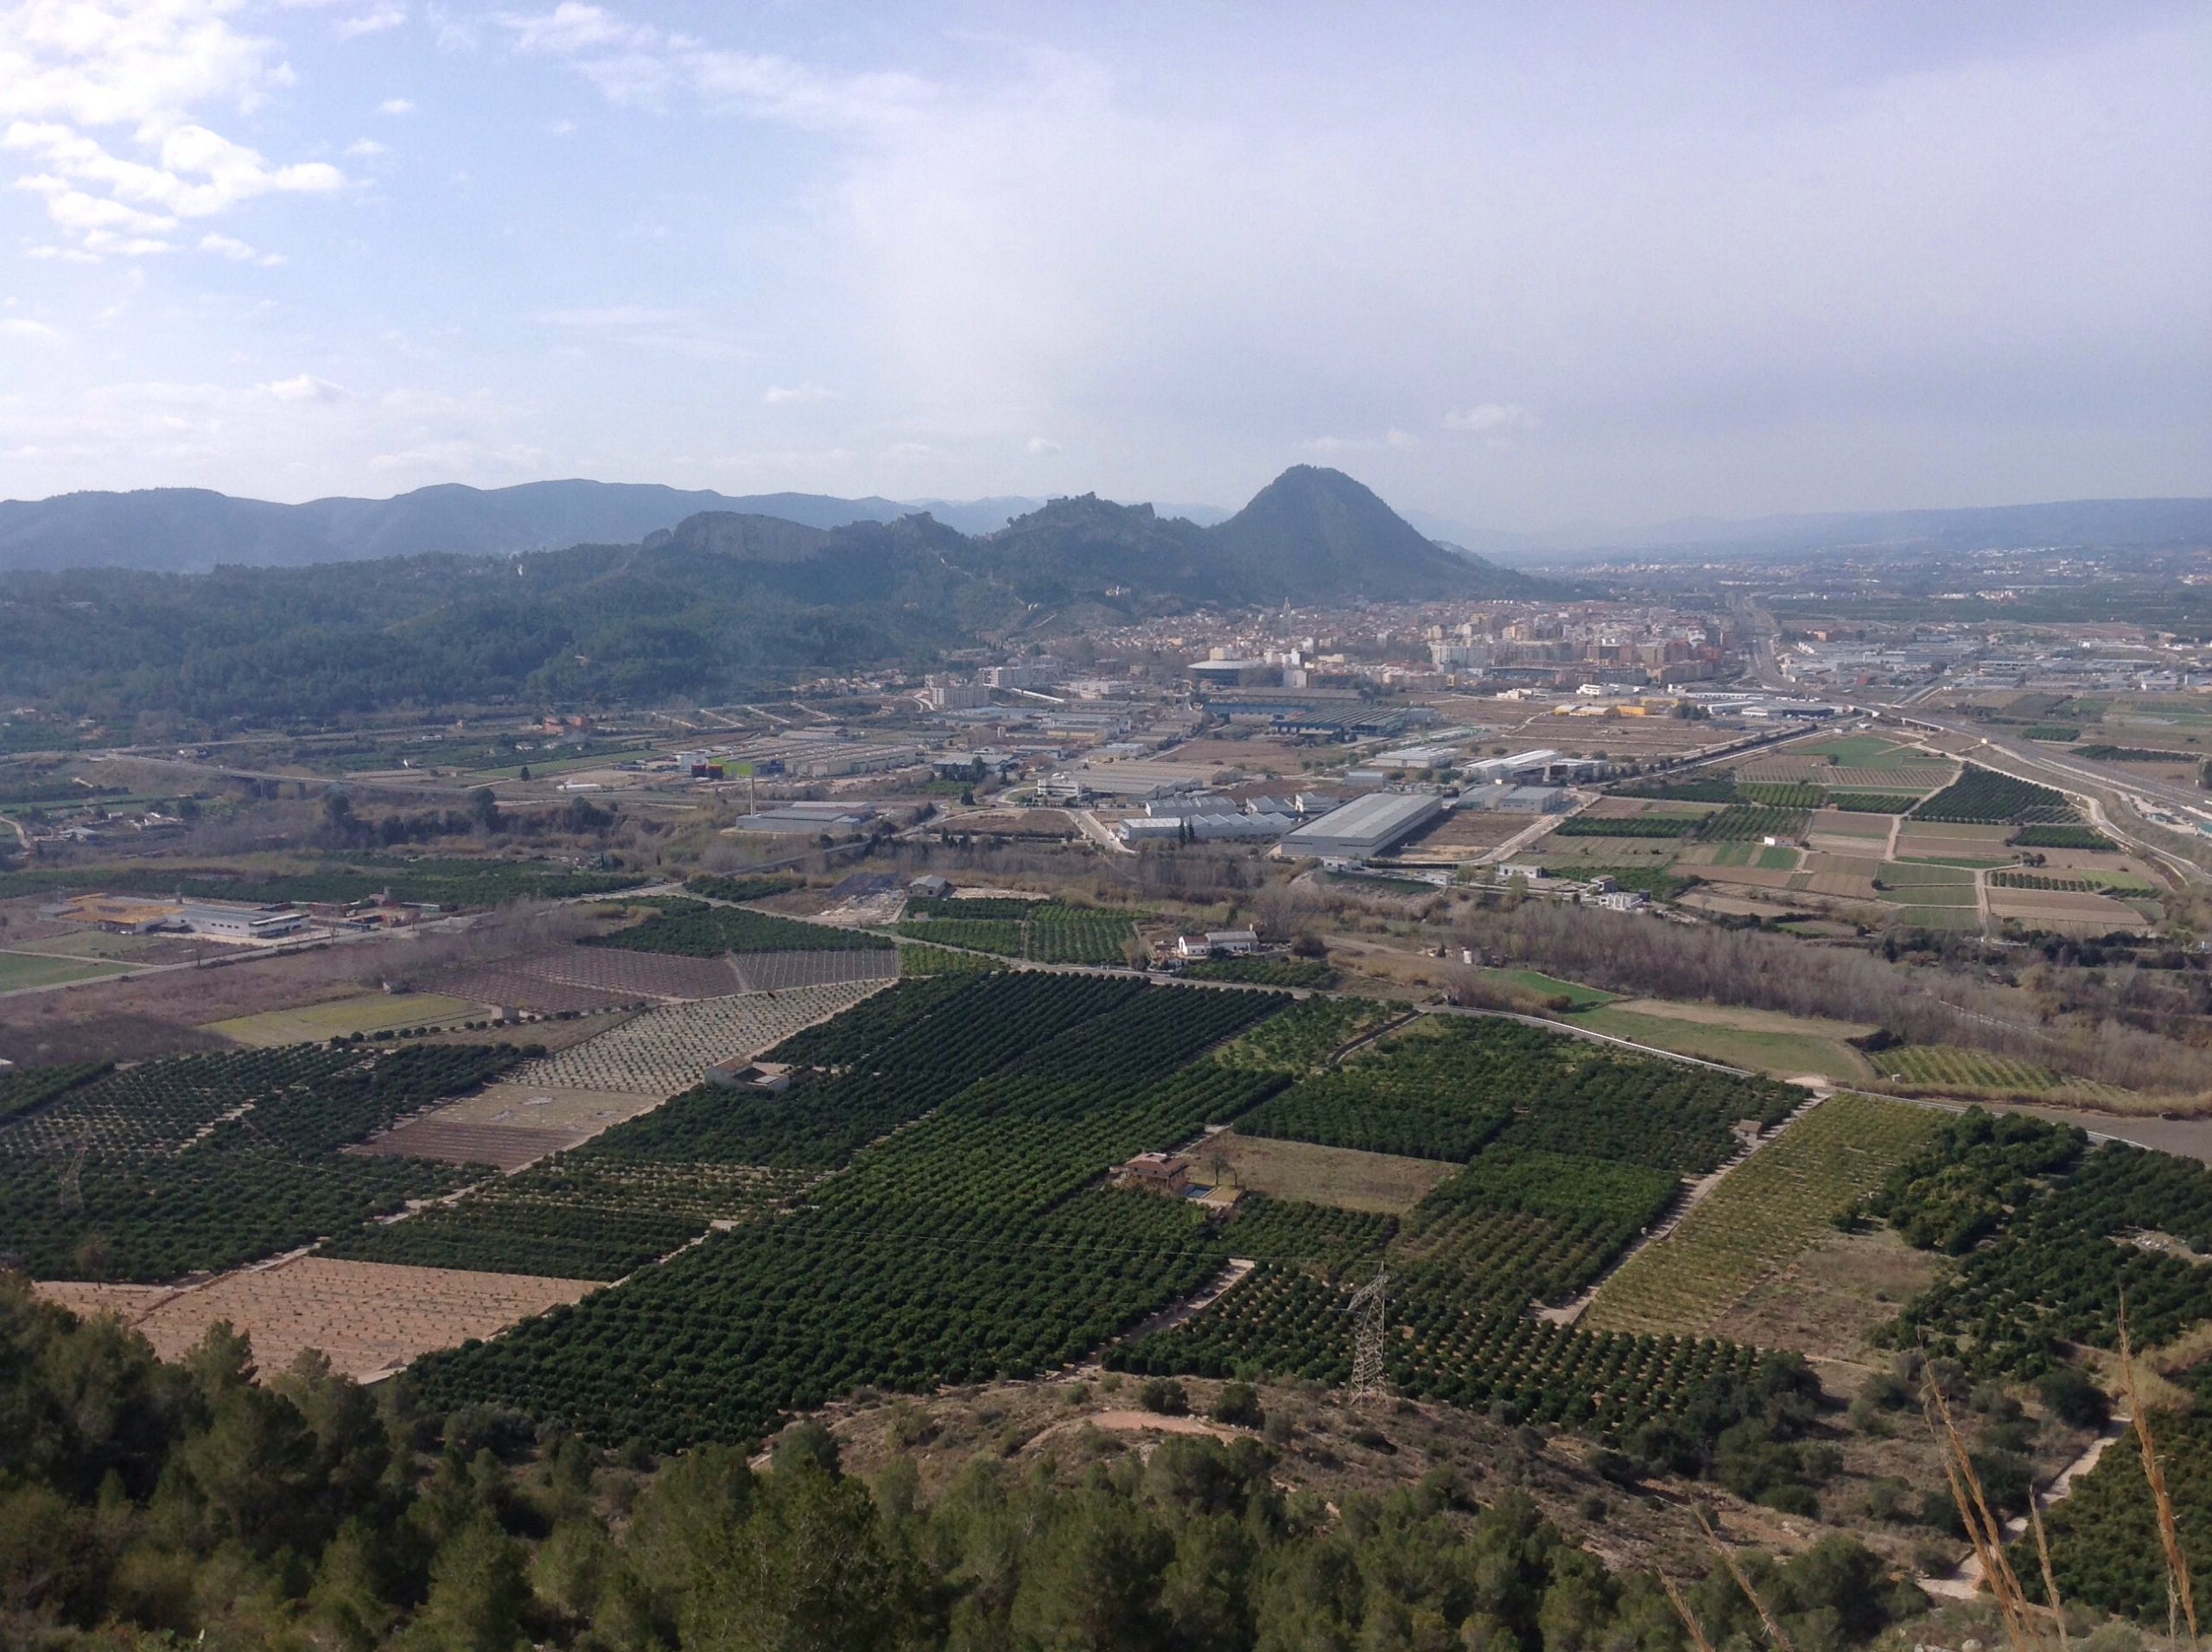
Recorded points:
(190,529)
(2102,525)
(1309,536)
(724,603)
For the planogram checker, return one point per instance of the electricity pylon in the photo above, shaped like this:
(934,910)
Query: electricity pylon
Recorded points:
(1370,1303)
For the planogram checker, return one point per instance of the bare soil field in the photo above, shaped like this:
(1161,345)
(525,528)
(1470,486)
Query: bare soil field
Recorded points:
(629,976)
(509,1126)
(1827,1304)
(2063,906)
(1055,824)
(1471,829)
(514,989)
(1343,1176)
(370,1318)
(135,1016)
(1750,877)
(1845,822)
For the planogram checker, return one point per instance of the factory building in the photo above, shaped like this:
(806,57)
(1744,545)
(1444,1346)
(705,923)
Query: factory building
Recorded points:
(1368,826)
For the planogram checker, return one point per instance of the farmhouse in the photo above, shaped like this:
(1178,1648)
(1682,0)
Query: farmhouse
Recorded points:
(1158,1172)
(773,1077)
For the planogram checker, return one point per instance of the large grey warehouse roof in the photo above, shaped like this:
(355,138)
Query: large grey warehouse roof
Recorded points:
(1368,825)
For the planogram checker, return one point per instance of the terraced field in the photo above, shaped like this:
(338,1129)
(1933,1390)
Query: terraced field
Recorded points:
(1762,1215)
(670,1049)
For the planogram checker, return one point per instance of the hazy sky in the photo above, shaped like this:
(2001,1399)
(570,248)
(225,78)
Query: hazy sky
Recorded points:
(1513,264)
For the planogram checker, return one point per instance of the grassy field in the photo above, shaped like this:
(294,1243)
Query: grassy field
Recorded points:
(1536,981)
(1766,1213)
(1343,1176)
(19,969)
(369,1013)
(1786,1046)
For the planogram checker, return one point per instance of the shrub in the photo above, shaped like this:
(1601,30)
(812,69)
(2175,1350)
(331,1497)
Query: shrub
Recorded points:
(1165,1395)
(1239,1406)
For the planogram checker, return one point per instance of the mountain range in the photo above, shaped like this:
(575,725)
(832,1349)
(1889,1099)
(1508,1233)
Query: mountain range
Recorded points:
(720,605)
(191,529)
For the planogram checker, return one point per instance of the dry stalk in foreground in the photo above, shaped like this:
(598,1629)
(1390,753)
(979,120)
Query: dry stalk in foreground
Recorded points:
(1984,1530)
(1695,1630)
(2050,1579)
(2177,1584)
(1728,1558)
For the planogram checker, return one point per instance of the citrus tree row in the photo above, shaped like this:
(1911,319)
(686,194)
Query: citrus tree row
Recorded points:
(1447,1087)
(976,1242)
(633,1194)
(2127,1225)
(204,1162)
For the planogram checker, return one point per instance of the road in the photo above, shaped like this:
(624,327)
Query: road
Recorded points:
(2024,762)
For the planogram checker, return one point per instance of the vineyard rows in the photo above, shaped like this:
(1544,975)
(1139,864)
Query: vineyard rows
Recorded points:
(1764,1214)
(670,1048)
(1945,1068)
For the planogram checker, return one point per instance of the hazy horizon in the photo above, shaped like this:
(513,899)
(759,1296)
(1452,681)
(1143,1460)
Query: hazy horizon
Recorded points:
(1519,272)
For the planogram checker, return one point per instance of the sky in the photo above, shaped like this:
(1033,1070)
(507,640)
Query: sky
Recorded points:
(1517,266)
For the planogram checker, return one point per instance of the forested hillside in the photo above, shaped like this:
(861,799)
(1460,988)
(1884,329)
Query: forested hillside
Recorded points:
(721,604)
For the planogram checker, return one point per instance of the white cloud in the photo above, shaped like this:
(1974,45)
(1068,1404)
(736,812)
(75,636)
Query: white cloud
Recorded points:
(639,64)
(1495,420)
(306,387)
(570,28)
(1391,441)
(1041,446)
(779,395)
(30,332)
(367,148)
(374,21)
(395,106)
(228,247)
(70,67)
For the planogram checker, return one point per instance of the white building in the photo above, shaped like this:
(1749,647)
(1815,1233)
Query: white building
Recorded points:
(239,920)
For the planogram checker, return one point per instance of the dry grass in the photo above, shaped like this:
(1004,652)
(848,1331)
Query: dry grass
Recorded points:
(1340,1176)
